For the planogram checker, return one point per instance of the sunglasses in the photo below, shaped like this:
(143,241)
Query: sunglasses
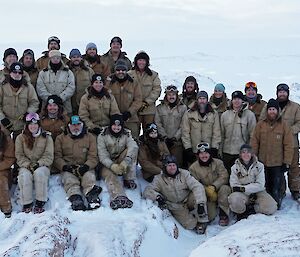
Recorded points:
(33,117)
(251,84)
(282,86)
(202,147)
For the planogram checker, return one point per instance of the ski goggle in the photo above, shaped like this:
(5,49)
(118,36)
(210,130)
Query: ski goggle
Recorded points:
(28,52)
(171,88)
(53,38)
(251,84)
(202,147)
(152,126)
(283,86)
(32,117)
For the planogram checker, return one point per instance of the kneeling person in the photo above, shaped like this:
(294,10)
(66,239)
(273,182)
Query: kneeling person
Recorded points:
(180,193)
(76,157)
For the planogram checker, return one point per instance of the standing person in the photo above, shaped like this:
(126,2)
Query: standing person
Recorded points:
(83,76)
(53,44)
(35,154)
(29,65)
(200,124)
(94,61)
(211,173)
(128,95)
(237,124)
(152,150)
(97,105)
(117,152)
(149,82)
(219,101)
(272,142)
(7,159)
(17,98)
(114,54)
(247,181)
(190,90)
(76,158)
(56,79)
(168,119)
(180,193)
(256,104)
(290,113)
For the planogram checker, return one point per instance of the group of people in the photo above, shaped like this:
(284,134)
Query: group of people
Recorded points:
(92,116)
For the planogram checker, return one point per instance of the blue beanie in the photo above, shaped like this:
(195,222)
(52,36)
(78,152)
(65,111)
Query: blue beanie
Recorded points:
(91,45)
(74,52)
(220,87)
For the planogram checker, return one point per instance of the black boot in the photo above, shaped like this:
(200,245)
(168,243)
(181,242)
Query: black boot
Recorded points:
(77,203)
(39,207)
(93,197)
(121,202)
(249,211)
(295,195)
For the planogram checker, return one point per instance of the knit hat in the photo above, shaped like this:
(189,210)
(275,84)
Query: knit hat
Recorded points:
(202,94)
(55,39)
(116,39)
(74,52)
(75,119)
(98,77)
(8,52)
(237,94)
(220,87)
(16,67)
(283,87)
(116,119)
(121,65)
(246,147)
(54,53)
(28,52)
(54,99)
(273,103)
(91,46)
(250,84)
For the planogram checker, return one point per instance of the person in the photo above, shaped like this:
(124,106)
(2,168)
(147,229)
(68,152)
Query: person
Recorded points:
(94,60)
(190,90)
(200,124)
(17,98)
(7,159)
(114,54)
(76,158)
(53,44)
(128,95)
(117,153)
(83,76)
(152,150)
(168,118)
(56,79)
(54,118)
(290,113)
(272,142)
(219,101)
(237,124)
(97,105)
(254,100)
(34,154)
(29,65)
(211,173)
(149,82)
(247,180)
(179,192)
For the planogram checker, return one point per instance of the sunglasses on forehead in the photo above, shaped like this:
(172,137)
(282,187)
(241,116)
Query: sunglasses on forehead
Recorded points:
(251,84)
(284,87)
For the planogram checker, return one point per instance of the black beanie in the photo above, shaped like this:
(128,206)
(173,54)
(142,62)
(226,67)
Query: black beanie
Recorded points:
(16,66)
(273,103)
(116,119)
(8,52)
(237,94)
(98,77)
(116,39)
(54,99)
(284,87)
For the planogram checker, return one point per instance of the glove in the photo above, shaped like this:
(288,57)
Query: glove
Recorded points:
(124,166)
(214,152)
(67,168)
(96,131)
(83,169)
(190,156)
(170,142)
(201,210)
(211,193)
(161,202)
(33,166)
(238,189)
(6,123)
(117,169)
(252,199)
(126,115)
(285,167)
(143,107)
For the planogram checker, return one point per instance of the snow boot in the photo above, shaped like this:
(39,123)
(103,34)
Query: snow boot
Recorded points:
(93,198)
(77,203)
(130,184)
(223,218)
(200,228)
(7,214)
(39,207)
(27,208)
(249,211)
(295,195)
(121,202)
